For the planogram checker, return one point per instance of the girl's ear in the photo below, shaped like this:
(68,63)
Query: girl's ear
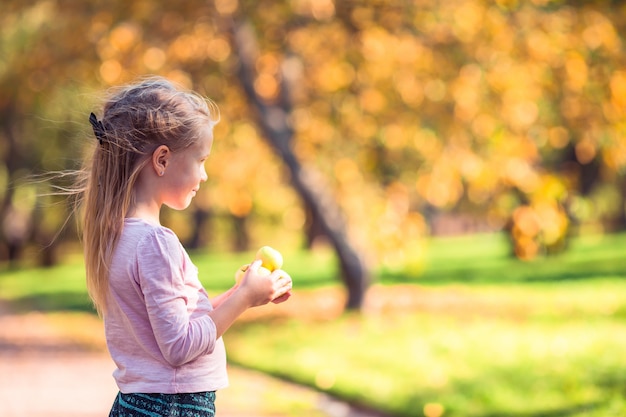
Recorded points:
(160,159)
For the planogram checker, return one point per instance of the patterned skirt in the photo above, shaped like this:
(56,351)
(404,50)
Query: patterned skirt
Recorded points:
(199,404)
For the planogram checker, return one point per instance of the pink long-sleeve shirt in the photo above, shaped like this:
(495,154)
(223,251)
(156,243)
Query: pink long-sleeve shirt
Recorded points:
(157,326)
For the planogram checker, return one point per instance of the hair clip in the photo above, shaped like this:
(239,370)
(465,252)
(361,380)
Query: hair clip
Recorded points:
(98,128)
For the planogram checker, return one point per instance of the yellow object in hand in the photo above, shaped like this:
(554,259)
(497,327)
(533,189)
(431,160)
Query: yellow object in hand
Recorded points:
(270,259)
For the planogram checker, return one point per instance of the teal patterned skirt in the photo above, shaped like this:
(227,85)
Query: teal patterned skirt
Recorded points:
(199,404)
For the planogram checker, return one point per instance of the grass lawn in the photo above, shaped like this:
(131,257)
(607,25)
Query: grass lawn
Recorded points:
(516,350)
(475,334)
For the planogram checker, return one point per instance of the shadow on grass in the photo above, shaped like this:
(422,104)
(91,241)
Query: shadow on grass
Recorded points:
(508,271)
(512,271)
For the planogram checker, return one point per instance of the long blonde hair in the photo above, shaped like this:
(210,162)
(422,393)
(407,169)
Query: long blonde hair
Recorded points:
(136,119)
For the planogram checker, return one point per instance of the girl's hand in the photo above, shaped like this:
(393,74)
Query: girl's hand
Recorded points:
(282,298)
(261,288)
(257,287)
(284,285)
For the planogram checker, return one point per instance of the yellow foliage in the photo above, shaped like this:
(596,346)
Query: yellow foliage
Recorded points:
(125,36)
(333,76)
(618,89)
(404,105)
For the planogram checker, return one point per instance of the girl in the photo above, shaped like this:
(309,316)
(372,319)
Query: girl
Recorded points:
(162,331)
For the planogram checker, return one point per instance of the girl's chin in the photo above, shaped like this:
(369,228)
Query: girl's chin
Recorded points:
(182,206)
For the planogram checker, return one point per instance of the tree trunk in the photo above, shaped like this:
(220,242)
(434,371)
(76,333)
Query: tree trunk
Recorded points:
(241,240)
(322,207)
(14,227)
(620,222)
(312,229)
(200,217)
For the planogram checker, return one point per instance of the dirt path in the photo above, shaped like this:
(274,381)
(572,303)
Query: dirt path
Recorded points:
(56,365)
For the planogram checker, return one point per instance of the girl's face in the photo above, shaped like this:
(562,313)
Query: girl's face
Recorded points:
(185,172)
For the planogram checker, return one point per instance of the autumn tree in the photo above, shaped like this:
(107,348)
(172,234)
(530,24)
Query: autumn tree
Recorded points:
(506,115)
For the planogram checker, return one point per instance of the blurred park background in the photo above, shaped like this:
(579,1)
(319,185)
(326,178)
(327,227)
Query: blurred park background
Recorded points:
(446,181)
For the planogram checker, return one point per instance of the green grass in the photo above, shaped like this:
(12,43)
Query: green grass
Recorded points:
(45,289)
(518,350)
(476,334)
(485,258)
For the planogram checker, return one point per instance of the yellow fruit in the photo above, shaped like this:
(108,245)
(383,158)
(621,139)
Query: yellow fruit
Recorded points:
(240,272)
(270,258)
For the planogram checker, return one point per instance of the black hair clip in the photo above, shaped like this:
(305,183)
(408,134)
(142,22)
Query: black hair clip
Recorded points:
(98,128)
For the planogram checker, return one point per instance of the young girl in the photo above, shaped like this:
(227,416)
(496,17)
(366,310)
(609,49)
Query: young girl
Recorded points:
(162,331)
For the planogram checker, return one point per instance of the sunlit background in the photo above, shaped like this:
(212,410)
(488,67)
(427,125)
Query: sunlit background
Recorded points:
(420,118)
(449,146)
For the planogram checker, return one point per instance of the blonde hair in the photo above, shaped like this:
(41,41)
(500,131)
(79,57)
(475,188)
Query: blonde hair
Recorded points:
(136,119)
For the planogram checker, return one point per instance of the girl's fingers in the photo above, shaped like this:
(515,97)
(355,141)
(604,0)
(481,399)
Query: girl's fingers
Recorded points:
(282,298)
(255,265)
(282,277)
(282,285)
